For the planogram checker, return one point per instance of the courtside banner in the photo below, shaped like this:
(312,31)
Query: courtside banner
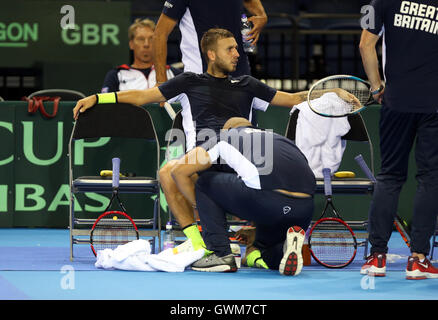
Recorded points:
(34,182)
(34,32)
(34,179)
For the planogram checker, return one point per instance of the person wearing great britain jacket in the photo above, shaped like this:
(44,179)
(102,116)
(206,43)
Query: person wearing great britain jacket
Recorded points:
(409,114)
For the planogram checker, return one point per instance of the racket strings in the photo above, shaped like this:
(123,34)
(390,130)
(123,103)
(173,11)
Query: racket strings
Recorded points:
(332,243)
(359,89)
(111,232)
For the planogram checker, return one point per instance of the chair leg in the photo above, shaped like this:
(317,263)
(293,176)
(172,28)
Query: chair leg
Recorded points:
(157,225)
(71,225)
(365,251)
(159,222)
(434,243)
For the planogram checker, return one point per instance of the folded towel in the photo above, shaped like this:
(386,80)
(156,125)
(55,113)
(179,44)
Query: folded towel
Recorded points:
(319,138)
(136,256)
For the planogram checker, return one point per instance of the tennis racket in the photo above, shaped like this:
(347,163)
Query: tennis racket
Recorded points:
(332,242)
(354,92)
(113,228)
(400,225)
(402,228)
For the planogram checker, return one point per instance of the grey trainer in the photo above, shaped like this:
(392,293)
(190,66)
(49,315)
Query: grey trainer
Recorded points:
(213,263)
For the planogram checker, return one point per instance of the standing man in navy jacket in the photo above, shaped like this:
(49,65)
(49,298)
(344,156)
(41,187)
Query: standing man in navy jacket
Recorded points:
(194,18)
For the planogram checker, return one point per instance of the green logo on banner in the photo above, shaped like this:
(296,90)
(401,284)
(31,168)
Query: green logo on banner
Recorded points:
(90,34)
(18,35)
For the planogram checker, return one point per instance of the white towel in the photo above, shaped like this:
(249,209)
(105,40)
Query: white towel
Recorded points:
(170,262)
(136,256)
(319,138)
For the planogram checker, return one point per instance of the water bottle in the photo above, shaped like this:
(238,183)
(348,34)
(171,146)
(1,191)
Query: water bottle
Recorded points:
(169,237)
(246,27)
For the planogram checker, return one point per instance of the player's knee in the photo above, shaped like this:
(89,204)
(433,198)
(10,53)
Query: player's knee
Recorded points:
(166,179)
(165,171)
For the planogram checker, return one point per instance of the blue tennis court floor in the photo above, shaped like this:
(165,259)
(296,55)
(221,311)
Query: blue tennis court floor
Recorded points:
(35,265)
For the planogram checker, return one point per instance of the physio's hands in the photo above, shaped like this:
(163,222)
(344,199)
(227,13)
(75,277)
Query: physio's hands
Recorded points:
(83,105)
(246,235)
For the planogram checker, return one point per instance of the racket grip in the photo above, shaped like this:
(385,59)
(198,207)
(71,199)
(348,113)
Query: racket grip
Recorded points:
(116,172)
(361,162)
(170,110)
(327,181)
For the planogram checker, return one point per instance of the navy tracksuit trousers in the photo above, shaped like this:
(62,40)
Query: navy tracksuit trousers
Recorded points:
(398,132)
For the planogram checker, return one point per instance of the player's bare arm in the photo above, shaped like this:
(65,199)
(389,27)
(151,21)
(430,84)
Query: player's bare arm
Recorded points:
(135,97)
(164,27)
(285,99)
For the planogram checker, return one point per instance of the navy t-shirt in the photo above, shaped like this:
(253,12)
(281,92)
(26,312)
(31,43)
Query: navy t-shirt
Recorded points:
(212,101)
(195,17)
(410,52)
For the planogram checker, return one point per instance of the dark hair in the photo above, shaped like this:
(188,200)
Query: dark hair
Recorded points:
(210,39)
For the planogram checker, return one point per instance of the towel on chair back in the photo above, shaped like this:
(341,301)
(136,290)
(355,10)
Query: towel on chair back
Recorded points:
(319,138)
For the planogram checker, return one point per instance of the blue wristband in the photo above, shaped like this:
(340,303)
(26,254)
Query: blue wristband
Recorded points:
(378,90)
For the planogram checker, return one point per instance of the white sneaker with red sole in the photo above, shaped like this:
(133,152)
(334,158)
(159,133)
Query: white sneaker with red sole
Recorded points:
(292,261)
(417,270)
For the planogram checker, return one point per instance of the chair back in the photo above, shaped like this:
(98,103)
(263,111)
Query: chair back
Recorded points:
(132,134)
(176,138)
(64,94)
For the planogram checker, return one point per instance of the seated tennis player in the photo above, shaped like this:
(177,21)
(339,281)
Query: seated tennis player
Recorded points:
(271,184)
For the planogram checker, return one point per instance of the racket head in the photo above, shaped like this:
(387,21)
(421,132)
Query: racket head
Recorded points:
(111,229)
(353,85)
(332,243)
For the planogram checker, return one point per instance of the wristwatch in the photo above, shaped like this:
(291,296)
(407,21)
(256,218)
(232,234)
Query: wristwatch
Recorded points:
(377,90)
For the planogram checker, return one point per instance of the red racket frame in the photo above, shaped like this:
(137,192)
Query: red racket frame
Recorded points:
(349,229)
(106,214)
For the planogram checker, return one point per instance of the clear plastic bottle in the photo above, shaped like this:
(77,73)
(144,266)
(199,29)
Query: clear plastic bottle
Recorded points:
(248,47)
(169,237)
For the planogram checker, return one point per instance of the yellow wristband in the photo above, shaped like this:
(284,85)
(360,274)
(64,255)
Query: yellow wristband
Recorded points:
(110,97)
